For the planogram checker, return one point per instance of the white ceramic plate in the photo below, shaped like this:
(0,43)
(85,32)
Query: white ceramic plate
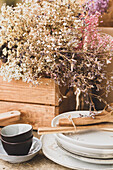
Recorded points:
(52,151)
(36,146)
(84,151)
(91,139)
(89,160)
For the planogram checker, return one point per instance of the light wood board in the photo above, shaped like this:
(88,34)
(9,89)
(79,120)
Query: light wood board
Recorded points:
(36,115)
(18,91)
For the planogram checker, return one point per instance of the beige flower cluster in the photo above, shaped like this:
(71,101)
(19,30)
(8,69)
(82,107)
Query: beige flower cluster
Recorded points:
(33,36)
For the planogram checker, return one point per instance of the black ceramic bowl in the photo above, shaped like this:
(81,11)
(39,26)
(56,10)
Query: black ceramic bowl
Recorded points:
(17,149)
(16,133)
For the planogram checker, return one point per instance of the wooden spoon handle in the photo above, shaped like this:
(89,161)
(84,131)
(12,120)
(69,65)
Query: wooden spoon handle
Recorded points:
(49,130)
(8,117)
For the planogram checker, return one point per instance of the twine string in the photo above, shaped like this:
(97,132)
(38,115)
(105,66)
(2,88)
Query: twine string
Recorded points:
(69,117)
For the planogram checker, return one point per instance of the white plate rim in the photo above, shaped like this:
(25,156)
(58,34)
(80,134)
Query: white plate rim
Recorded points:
(80,150)
(89,160)
(59,162)
(62,163)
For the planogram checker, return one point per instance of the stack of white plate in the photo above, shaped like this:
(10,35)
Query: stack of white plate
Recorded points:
(89,146)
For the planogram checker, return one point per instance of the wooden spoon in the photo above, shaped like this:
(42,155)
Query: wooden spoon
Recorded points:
(9,117)
(104,116)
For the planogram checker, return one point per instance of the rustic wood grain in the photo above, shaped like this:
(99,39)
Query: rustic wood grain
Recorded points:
(18,91)
(36,115)
(38,104)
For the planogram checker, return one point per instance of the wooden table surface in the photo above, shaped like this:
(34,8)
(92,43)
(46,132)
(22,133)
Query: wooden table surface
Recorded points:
(39,162)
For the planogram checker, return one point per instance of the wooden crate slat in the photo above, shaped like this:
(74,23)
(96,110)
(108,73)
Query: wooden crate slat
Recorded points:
(36,115)
(19,91)
(57,95)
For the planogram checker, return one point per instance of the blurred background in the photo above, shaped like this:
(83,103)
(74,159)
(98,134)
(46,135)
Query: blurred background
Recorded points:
(9,2)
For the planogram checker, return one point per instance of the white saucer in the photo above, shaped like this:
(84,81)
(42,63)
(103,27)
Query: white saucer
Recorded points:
(52,151)
(36,146)
(91,139)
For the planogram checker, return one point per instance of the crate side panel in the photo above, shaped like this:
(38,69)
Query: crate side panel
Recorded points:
(19,91)
(36,115)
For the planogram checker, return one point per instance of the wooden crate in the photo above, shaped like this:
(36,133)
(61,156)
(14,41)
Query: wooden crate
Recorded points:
(38,104)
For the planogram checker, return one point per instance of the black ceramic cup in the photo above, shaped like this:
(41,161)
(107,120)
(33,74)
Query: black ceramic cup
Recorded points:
(16,133)
(17,149)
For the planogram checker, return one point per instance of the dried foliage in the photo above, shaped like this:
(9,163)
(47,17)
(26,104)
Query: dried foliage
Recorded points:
(55,40)
(93,6)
